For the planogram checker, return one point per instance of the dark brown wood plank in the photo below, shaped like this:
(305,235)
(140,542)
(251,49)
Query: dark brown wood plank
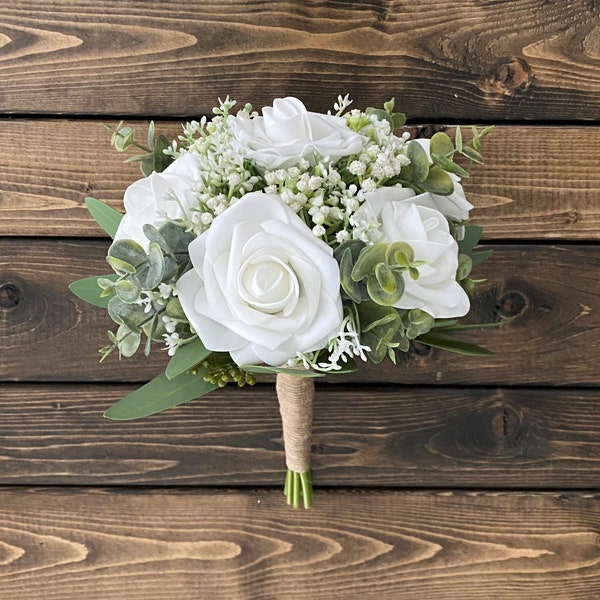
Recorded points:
(552,293)
(362,437)
(99,544)
(529,188)
(513,59)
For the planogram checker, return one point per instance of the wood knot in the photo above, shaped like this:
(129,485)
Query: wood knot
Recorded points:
(10,295)
(511,76)
(511,305)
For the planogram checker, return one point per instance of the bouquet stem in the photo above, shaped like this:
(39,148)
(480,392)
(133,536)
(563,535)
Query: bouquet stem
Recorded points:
(295,395)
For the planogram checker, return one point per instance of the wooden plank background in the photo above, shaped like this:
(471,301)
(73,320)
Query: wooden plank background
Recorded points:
(444,477)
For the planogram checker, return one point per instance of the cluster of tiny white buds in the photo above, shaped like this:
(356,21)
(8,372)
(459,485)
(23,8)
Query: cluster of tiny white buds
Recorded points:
(343,346)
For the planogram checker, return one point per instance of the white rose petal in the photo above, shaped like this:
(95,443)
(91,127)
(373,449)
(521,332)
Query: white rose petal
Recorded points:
(287,133)
(160,196)
(402,219)
(455,206)
(262,287)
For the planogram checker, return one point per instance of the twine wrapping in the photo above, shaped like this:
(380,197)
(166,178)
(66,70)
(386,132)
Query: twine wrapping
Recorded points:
(295,395)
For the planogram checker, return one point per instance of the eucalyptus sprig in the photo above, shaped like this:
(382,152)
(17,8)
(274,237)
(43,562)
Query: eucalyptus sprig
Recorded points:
(154,157)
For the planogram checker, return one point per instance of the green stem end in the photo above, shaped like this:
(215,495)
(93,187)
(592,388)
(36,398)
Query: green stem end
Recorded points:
(298,488)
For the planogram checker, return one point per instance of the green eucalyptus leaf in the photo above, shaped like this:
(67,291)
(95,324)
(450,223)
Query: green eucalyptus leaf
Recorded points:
(128,341)
(445,342)
(160,394)
(478,257)
(156,266)
(89,291)
(470,239)
(398,120)
(123,139)
(151,134)
(186,357)
(127,251)
(472,154)
(107,217)
(174,309)
(120,266)
(176,238)
(419,322)
(128,290)
(367,260)
(122,313)
(161,160)
(441,144)
(449,166)
(438,182)
(419,161)
(399,254)
(465,265)
(458,143)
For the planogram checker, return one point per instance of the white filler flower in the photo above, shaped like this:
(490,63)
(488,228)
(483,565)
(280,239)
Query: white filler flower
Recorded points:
(262,287)
(287,133)
(405,219)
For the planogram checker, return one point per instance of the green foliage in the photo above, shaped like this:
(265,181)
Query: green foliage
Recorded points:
(140,272)
(154,158)
(90,290)
(186,358)
(445,341)
(107,217)
(158,395)
(375,272)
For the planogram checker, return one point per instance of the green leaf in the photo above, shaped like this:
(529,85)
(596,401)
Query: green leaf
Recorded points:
(438,182)
(479,257)
(156,266)
(446,342)
(264,369)
(128,290)
(88,290)
(107,217)
(458,139)
(472,154)
(367,260)
(465,264)
(128,251)
(441,144)
(471,238)
(186,357)
(158,395)
(419,161)
(449,166)
(128,341)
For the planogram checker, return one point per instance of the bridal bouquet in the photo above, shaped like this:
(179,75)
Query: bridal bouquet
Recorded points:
(287,242)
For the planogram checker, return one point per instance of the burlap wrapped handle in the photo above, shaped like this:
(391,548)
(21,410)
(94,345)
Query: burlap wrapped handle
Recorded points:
(295,395)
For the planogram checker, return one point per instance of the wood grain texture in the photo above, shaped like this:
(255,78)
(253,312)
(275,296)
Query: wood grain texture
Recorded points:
(529,188)
(362,437)
(504,60)
(551,293)
(162,544)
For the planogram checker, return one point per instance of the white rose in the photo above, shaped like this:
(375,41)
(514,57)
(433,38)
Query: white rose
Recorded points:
(262,287)
(287,132)
(436,291)
(455,206)
(160,196)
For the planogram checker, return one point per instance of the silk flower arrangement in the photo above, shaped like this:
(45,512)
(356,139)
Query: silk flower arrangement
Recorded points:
(287,242)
